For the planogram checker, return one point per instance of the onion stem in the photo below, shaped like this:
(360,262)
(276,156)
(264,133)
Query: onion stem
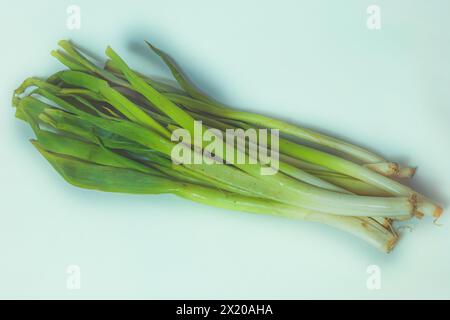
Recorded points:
(114,129)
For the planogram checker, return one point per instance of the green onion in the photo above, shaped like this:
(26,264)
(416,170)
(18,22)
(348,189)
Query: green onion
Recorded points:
(113,129)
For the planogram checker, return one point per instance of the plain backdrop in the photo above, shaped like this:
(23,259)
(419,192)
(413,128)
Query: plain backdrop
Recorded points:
(314,63)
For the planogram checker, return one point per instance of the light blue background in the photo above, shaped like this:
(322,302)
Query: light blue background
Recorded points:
(312,62)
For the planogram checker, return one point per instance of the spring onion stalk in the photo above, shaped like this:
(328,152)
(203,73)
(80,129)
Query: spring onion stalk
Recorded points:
(263,121)
(286,189)
(237,118)
(256,119)
(287,162)
(374,162)
(318,201)
(93,176)
(186,118)
(327,160)
(113,129)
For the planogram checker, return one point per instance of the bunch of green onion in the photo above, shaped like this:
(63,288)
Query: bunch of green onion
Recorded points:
(109,128)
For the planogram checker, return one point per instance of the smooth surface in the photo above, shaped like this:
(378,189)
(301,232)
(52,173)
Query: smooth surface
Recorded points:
(312,62)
